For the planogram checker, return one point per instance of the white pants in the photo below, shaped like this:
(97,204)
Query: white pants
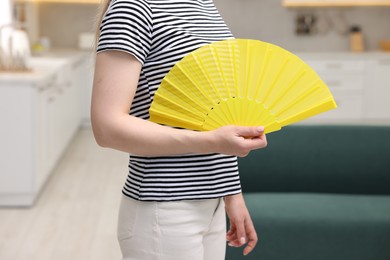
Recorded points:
(182,230)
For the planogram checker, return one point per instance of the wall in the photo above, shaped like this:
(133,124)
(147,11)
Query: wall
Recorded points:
(258,19)
(267,20)
(63,23)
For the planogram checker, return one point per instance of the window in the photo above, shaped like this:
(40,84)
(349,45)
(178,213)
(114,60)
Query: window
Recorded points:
(5,12)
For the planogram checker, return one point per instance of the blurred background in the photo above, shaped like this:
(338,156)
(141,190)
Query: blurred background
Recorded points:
(59,192)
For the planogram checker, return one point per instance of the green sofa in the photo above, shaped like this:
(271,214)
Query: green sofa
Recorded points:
(319,193)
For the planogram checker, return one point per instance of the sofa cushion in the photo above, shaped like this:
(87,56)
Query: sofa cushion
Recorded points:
(335,159)
(318,226)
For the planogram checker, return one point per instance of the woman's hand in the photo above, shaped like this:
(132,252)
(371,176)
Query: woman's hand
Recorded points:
(241,230)
(238,140)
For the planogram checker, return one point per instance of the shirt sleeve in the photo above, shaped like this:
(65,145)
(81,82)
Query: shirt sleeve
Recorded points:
(127,26)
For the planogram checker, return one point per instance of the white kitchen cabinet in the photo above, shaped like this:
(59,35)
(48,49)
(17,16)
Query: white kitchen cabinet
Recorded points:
(16,140)
(79,78)
(60,1)
(39,118)
(345,80)
(377,94)
(54,125)
(40,132)
(335,3)
(360,85)
(87,81)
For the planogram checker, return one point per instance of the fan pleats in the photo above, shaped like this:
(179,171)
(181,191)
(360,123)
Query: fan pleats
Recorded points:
(239,82)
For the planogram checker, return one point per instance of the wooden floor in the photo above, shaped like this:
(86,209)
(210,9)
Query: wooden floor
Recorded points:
(75,216)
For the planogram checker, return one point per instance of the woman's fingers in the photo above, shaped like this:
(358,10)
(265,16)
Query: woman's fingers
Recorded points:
(231,233)
(237,236)
(242,232)
(253,137)
(238,140)
(231,236)
(252,236)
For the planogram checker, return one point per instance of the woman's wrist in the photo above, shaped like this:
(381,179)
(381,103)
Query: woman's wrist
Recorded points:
(233,198)
(229,140)
(200,142)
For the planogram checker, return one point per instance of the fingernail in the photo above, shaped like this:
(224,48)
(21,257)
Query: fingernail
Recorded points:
(242,240)
(260,129)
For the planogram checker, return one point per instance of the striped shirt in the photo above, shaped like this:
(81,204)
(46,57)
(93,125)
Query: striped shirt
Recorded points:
(159,33)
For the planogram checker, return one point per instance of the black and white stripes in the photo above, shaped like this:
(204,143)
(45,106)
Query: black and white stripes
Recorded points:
(159,33)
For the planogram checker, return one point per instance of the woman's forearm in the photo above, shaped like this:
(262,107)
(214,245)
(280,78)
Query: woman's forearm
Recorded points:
(137,136)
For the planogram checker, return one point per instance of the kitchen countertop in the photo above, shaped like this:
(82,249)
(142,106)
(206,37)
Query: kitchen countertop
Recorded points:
(46,64)
(343,55)
(43,67)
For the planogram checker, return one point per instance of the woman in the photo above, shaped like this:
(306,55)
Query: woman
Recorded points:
(179,181)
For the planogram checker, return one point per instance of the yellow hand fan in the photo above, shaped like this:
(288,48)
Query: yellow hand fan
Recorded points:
(239,82)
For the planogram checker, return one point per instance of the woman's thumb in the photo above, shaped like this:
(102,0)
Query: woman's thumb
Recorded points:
(250,131)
